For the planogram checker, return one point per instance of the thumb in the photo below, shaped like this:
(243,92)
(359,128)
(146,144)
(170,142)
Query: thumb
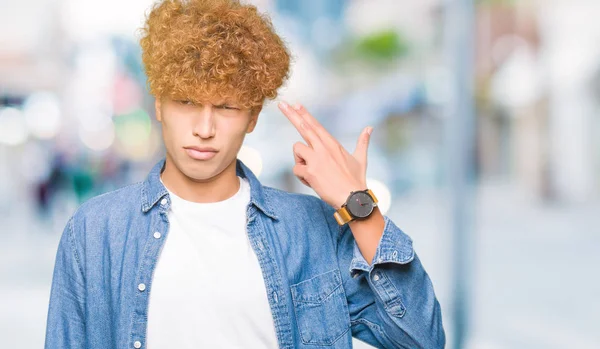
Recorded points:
(362,145)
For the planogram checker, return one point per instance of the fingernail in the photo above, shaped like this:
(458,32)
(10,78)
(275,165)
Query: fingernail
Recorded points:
(283,105)
(369,130)
(297,106)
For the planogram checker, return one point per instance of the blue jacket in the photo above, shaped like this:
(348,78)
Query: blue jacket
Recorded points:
(321,290)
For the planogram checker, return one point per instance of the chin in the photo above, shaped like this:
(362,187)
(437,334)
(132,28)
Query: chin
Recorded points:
(199,172)
(202,171)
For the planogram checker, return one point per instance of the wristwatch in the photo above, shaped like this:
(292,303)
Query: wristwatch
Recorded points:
(359,204)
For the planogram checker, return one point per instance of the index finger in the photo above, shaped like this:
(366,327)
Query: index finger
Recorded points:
(305,130)
(325,136)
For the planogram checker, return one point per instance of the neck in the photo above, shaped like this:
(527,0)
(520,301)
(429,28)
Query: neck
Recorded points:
(218,188)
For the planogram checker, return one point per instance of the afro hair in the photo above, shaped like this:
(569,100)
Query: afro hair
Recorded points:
(200,50)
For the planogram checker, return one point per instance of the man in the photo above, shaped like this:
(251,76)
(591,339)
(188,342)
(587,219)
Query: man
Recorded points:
(200,254)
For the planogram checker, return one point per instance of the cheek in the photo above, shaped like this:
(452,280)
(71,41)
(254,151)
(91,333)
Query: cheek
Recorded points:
(175,130)
(233,128)
(167,132)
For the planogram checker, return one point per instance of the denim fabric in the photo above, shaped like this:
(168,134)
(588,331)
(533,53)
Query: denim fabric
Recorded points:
(321,290)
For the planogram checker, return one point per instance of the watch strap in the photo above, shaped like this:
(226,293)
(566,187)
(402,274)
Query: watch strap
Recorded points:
(342,216)
(372,196)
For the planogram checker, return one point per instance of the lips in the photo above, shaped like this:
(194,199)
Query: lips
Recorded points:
(200,153)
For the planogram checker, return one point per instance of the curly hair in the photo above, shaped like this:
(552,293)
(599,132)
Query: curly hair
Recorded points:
(203,49)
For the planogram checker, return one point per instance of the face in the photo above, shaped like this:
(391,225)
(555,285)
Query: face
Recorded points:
(202,140)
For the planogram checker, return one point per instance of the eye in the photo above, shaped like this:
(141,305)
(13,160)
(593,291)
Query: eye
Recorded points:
(185,102)
(227,107)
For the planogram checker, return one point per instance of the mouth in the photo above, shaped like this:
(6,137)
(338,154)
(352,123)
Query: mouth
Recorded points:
(200,153)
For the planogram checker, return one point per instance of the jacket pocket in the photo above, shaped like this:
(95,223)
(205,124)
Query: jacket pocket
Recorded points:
(321,308)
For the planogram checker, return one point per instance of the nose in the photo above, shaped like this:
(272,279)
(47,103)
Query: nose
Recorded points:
(204,123)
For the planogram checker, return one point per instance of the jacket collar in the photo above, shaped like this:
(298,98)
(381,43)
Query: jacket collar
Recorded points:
(153,190)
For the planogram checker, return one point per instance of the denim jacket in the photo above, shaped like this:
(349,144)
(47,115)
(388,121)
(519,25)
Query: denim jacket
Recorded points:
(321,290)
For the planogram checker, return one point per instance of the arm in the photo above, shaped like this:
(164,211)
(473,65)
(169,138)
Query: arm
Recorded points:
(391,301)
(65,327)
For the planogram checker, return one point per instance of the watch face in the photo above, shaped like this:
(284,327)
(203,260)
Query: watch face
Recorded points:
(360,204)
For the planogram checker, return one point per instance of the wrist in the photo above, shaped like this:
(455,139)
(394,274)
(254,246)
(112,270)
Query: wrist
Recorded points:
(375,215)
(359,206)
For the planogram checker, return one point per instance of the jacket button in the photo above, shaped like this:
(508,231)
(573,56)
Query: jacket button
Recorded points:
(137,344)
(141,287)
(163,202)
(157,235)
(376,277)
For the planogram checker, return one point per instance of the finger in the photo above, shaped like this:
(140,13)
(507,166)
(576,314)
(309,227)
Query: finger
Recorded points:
(362,145)
(325,136)
(299,160)
(300,172)
(305,130)
(302,152)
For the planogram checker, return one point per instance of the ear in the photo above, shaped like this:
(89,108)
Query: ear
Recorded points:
(157,105)
(253,119)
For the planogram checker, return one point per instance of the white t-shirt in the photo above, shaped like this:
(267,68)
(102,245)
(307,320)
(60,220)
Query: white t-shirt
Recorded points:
(208,290)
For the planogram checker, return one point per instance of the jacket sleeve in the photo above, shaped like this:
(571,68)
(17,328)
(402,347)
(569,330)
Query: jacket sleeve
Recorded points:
(65,326)
(391,302)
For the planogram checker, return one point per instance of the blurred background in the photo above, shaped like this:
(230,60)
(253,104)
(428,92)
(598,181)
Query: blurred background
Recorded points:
(485,148)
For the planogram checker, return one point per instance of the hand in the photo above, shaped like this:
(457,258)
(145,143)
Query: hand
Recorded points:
(323,164)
